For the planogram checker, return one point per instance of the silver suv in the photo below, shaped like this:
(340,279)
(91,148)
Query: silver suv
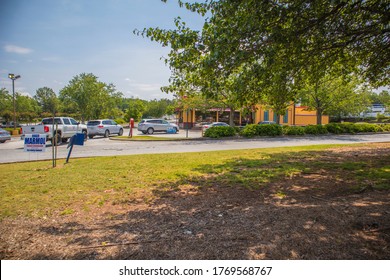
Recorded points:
(150,126)
(103,127)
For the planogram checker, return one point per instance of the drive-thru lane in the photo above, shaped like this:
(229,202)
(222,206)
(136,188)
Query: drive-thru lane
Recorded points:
(13,151)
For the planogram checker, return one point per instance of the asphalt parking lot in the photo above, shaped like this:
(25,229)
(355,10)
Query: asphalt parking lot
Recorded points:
(13,151)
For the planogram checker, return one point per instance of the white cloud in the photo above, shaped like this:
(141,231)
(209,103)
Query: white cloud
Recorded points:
(17,49)
(146,87)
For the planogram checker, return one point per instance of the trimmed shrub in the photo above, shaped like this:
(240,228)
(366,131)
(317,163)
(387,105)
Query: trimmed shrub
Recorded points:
(385,127)
(315,129)
(352,128)
(293,130)
(367,127)
(269,130)
(220,131)
(334,128)
(249,130)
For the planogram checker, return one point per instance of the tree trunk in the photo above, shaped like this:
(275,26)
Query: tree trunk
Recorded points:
(278,118)
(231,117)
(319,116)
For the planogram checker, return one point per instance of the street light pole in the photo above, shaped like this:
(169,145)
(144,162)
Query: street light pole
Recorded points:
(13,77)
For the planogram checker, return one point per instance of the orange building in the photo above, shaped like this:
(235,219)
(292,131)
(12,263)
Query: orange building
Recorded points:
(295,115)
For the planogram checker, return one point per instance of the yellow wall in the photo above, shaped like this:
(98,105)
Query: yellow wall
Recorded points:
(305,117)
(260,110)
(302,116)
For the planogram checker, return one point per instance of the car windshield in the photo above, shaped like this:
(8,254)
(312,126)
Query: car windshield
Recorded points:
(93,123)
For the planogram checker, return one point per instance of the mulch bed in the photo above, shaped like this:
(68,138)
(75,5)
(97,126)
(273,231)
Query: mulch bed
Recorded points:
(317,217)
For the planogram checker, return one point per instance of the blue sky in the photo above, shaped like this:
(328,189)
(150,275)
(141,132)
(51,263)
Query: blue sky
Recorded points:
(48,42)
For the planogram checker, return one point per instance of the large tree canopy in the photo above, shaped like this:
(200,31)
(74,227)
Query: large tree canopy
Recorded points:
(89,97)
(251,45)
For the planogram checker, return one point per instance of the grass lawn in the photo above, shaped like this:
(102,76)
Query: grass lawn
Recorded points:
(35,189)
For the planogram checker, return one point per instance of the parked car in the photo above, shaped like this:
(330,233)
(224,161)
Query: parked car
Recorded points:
(4,135)
(267,122)
(207,126)
(104,128)
(149,126)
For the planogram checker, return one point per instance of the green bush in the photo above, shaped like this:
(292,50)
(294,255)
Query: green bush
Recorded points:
(315,129)
(347,127)
(120,121)
(249,130)
(367,127)
(293,130)
(269,130)
(385,127)
(220,131)
(334,128)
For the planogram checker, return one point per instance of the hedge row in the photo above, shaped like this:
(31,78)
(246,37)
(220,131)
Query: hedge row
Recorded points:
(252,130)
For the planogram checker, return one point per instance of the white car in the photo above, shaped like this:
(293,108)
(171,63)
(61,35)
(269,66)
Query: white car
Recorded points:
(149,126)
(207,126)
(104,128)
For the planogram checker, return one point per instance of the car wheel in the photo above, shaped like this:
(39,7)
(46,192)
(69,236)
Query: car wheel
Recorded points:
(85,135)
(150,130)
(91,136)
(120,132)
(2,141)
(64,140)
(106,134)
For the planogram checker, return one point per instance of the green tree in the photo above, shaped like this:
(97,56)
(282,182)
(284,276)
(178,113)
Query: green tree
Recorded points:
(335,96)
(27,108)
(382,97)
(240,40)
(90,98)
(135,109)
(47,100)
(5,100)
(6,107)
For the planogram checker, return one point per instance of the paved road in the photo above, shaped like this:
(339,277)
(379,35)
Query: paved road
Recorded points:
(13,151)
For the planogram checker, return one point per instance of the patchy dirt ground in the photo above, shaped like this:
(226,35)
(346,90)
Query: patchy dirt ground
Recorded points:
(306,216)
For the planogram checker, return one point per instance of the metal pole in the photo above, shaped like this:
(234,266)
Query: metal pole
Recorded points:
(13,99)
(52,144)
(187,124)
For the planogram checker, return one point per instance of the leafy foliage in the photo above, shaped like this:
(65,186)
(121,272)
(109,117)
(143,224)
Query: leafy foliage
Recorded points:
(262,130)
(89,97)
(135,110)
(315,129)
(265,51)
(293,130)
(47,100)
(220,131)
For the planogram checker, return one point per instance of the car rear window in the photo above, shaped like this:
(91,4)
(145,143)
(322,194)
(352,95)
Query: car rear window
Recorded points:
(50,121)
(93,123)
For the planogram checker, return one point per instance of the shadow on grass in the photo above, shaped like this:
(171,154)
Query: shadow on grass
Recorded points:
(298,205)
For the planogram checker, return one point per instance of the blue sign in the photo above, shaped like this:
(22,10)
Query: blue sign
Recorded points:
(35,143)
